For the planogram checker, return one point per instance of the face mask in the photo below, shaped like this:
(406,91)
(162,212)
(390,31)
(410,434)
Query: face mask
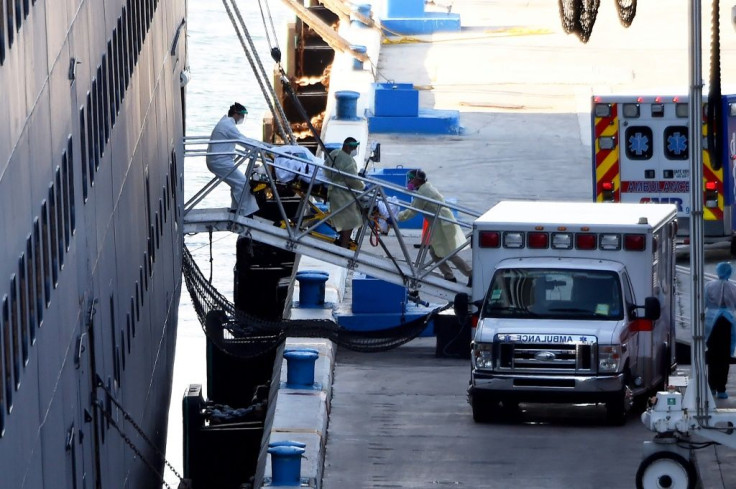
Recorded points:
(411,186)
(354,152)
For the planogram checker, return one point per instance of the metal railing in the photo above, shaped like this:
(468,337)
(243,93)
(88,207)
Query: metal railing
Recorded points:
(301,228)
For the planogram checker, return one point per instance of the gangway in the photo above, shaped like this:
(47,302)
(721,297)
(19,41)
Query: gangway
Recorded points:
(290,217)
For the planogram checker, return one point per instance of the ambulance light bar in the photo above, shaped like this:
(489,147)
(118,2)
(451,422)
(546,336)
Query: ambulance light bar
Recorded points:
(631,111)
(682,111)
(607,142)
(562,240)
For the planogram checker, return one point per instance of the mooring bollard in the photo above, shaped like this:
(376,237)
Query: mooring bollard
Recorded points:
(312,288)
(365,10)
(300,368)
(286,462)
(347,105)
(358,64)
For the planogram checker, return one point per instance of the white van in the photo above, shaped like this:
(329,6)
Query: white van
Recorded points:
(575,304)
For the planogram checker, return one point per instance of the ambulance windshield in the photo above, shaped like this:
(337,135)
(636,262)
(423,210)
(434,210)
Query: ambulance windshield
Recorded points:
(554,294)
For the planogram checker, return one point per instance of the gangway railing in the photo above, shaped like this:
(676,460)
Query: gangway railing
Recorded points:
(296,219)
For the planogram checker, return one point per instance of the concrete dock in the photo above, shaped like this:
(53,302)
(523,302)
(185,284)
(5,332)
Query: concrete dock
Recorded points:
(523,88)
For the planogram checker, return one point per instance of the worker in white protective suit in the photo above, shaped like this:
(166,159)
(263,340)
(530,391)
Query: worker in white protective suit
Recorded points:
(720,328)
(221,159)
(445,235)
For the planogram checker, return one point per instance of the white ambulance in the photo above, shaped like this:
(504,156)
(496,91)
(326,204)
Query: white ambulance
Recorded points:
(575,304)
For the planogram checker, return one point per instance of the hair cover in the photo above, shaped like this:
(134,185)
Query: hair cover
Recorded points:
(417,175)
(237,108)
(724,270)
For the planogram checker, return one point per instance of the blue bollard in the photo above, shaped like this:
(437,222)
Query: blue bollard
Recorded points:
(286,462)
(365,10)
(347,105)
(312,288)
(358,64)
(300,368)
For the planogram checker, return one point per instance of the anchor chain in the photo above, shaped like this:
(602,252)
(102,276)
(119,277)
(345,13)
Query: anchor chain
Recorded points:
(140,431)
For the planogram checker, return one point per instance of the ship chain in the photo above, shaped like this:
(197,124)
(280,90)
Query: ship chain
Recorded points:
(183,483)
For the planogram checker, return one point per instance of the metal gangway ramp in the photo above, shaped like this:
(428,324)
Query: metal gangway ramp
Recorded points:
(296,220)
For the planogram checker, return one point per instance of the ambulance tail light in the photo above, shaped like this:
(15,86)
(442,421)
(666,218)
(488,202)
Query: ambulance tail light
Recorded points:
(711,194)
(607,142)
(607,191)
(513,240)
(635,242)
(585,241)
(538,240)
(610,242)
(489,239)
(561,241)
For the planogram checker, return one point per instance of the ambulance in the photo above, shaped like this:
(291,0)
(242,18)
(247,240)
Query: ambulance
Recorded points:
(640,146)
(575,303)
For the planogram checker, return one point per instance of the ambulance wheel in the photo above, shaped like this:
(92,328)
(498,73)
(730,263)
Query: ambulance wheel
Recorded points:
(666,470)
(618,407)
(484,408)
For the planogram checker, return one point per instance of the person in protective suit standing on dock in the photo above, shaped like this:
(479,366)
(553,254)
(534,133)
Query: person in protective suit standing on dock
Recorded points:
(221,159)
(445,236)
(344,221)
(720,328)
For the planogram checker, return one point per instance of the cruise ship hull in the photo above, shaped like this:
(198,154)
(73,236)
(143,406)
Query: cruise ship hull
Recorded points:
(91,190)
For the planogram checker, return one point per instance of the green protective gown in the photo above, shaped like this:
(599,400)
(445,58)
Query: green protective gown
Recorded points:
(446,236)
(349,218)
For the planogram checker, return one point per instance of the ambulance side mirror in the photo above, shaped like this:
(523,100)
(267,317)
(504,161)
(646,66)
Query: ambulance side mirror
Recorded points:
(652,308)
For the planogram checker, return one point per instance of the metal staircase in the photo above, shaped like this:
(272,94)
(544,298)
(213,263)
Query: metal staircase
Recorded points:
(292,218)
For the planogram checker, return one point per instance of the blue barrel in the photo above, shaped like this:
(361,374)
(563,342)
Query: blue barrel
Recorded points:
(300,368)
(286,465)
(311,288)
(347,105)
(365,10)
(358,64)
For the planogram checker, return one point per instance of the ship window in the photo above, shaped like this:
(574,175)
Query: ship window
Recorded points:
(45,253)
(158,229)
(60,225)
(137,302)
(105,94)
(2,34)
(31,287)
(83,142)
(135,10)
(94,133)
(166,199)
(123,47)
(117,36)
(113,77)
(128,328)
(38,267)
(122,347)
(90,138)
(160,220)
(18,15)
(7,356)
(13,305)
(110,84)
(9,16)
(67,170)
(26,8)
(53,236)
(113,337)
(131,315)
(101,117)
(23,306)
(128,15)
